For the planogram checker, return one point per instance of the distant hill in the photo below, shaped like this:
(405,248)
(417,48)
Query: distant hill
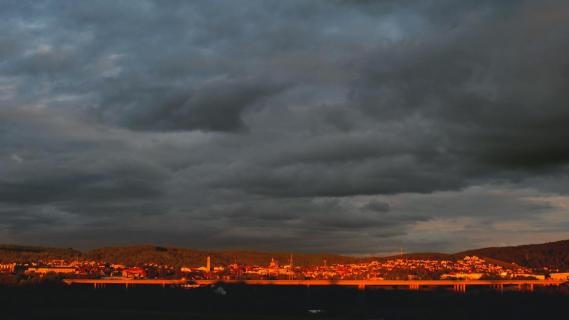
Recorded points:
(134,255)
(551,255)
(194,258)
(18,253)
(421,255)
(445,256)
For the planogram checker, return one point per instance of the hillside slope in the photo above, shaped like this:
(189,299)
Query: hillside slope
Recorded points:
(550,255)
(189,257)
(18,253)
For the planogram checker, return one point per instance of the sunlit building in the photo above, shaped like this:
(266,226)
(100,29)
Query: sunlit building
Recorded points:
(46,270)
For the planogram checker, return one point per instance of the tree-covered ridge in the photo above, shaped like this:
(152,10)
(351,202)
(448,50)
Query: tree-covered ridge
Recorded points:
(189,257)
(550,255)
(137,255)
(20,253)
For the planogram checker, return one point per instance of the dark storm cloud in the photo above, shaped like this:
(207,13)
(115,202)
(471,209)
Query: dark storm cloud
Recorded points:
(59,165)
(216,105)
(348,126)
(494,84)
(377,206)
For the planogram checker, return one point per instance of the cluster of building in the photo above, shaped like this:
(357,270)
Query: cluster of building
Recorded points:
(471,268)
(393,269)
(89,269)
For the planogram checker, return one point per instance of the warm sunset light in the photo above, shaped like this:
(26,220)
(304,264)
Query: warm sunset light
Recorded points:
(284,159)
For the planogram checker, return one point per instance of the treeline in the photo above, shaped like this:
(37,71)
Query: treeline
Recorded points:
(195,258)
(138,255)
(17,253)
(552,254)
(423,256)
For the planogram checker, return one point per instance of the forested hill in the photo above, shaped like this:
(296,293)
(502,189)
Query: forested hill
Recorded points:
(445,256)
(421,255)
(137,255)
(189,257)
(17,253)
(552,254)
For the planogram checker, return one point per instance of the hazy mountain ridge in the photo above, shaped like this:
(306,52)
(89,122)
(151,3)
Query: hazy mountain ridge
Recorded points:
(552,255)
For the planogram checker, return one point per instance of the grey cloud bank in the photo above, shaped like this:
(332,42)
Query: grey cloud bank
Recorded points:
(356,127)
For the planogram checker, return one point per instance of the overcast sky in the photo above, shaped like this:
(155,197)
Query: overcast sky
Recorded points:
(356,127)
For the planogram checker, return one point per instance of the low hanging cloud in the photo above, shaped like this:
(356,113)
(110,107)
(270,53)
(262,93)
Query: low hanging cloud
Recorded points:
(346,126)
(216,105)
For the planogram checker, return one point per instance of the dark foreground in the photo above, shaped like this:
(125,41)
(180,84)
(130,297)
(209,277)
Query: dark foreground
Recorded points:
(269,302)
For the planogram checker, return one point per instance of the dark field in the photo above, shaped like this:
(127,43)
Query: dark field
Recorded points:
(265,302)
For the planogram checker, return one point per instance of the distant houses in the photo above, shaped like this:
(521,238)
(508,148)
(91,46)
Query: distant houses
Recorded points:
(467,268)
(463,276)
(134,273)
(564,276)
(7,267)
(46,270)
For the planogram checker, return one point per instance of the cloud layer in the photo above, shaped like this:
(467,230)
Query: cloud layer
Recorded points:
(348,126)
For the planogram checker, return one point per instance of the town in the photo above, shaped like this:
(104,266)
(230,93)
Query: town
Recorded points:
(466,268)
